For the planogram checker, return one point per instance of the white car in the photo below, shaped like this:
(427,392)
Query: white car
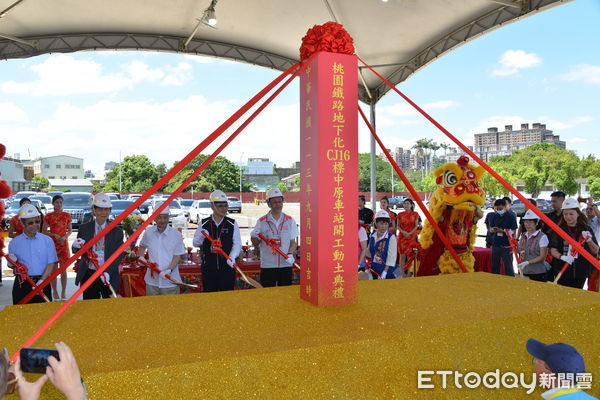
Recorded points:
(199,209)
(174,207)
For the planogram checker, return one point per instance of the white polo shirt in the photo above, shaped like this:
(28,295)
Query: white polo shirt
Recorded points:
(284,229)
(161,249)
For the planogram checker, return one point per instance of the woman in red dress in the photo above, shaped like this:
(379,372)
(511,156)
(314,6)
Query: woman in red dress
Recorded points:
(408,224)
(57,225)
(384,204)
(15,227)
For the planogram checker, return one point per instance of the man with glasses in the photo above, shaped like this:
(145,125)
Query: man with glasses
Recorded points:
(281,230)
(34,250)
(218,273)
(104,249)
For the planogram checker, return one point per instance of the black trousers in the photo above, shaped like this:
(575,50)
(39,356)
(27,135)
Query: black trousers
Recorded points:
(218,280)
(502,254)
(270,277)
(22,288)
(97,290)
(538,277)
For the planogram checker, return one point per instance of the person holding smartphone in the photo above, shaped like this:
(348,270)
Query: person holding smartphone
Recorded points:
(62,372)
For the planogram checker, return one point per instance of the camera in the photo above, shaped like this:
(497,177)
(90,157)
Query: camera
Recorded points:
(35,360)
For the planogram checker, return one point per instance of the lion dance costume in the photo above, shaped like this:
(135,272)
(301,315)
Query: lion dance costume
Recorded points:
(453,206)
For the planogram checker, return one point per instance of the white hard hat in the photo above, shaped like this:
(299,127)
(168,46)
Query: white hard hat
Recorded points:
(102,200)
(165,211)
(28,211)
(569,203)
(274,192)
(530,215)
(217,196)
(382,214)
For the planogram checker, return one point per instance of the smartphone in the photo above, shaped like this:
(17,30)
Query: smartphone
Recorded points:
(35,360)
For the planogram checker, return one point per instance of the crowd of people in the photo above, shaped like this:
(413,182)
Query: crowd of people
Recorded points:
(543,253)
(40,243)
(388,239)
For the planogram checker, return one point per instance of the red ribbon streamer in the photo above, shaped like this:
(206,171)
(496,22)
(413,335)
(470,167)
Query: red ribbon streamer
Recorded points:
(540,214)
(156,186)
(514,245)
(177,168)
(274,248)
(415,195)
(22,271)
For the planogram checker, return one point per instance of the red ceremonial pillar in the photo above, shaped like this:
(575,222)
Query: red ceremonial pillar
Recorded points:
(329,180)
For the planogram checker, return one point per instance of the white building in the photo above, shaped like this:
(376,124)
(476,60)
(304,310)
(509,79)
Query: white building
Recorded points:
(12,171)
(260,166)
(59,167)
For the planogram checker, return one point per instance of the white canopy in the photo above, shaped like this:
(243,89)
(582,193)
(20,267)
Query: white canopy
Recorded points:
(397,36)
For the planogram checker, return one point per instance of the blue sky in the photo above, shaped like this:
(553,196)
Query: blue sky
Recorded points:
(545,68)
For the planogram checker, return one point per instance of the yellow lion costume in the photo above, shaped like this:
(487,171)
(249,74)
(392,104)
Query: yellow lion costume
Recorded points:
(456,206)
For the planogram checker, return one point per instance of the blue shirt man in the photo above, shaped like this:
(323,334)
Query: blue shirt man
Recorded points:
(34,250)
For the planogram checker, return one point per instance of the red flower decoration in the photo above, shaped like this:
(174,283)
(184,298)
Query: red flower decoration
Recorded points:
(330,37)
(463,161)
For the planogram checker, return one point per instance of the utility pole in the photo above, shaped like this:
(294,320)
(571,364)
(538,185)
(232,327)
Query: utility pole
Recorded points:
(241,172)
(120,177)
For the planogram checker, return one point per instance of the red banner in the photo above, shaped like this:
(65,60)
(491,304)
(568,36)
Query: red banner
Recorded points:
(329,180)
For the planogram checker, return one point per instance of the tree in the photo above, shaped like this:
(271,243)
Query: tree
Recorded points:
(383,177)
(138,174)
(40,182)
(535,165)
(282,187)
(594,186)
(220,174)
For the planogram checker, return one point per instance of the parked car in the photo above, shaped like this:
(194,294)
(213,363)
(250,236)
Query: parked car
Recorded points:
(396,202)
(11,209)
(47,200)
(235,205)
(186,204)
(79,206)
(144,207)
(544,205)
(52,194)
(118,206)
(20,195)
(489,203)
(518,208)
(114,196)
(200,209)
(174,206)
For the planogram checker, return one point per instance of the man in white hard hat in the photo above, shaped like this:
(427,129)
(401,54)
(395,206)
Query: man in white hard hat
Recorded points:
(165,248)
(281,230)
(217,272)
(34,250)
(104,248)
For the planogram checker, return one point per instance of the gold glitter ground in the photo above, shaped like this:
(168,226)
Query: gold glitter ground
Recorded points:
(267,343)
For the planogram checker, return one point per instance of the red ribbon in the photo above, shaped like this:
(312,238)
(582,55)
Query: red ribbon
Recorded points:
(572,253)
(22,270)
(272,243)
(330,37)
(157,186)
(514,244)
(93,258)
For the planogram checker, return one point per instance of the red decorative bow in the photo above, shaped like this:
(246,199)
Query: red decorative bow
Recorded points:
(330,37)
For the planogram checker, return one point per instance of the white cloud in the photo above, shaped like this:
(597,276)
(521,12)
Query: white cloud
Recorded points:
(583,119)
(165,132)
(396,114)
(585,73)
(512,61)
(578,140)
(65,75)
(12,113)
(177,75)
